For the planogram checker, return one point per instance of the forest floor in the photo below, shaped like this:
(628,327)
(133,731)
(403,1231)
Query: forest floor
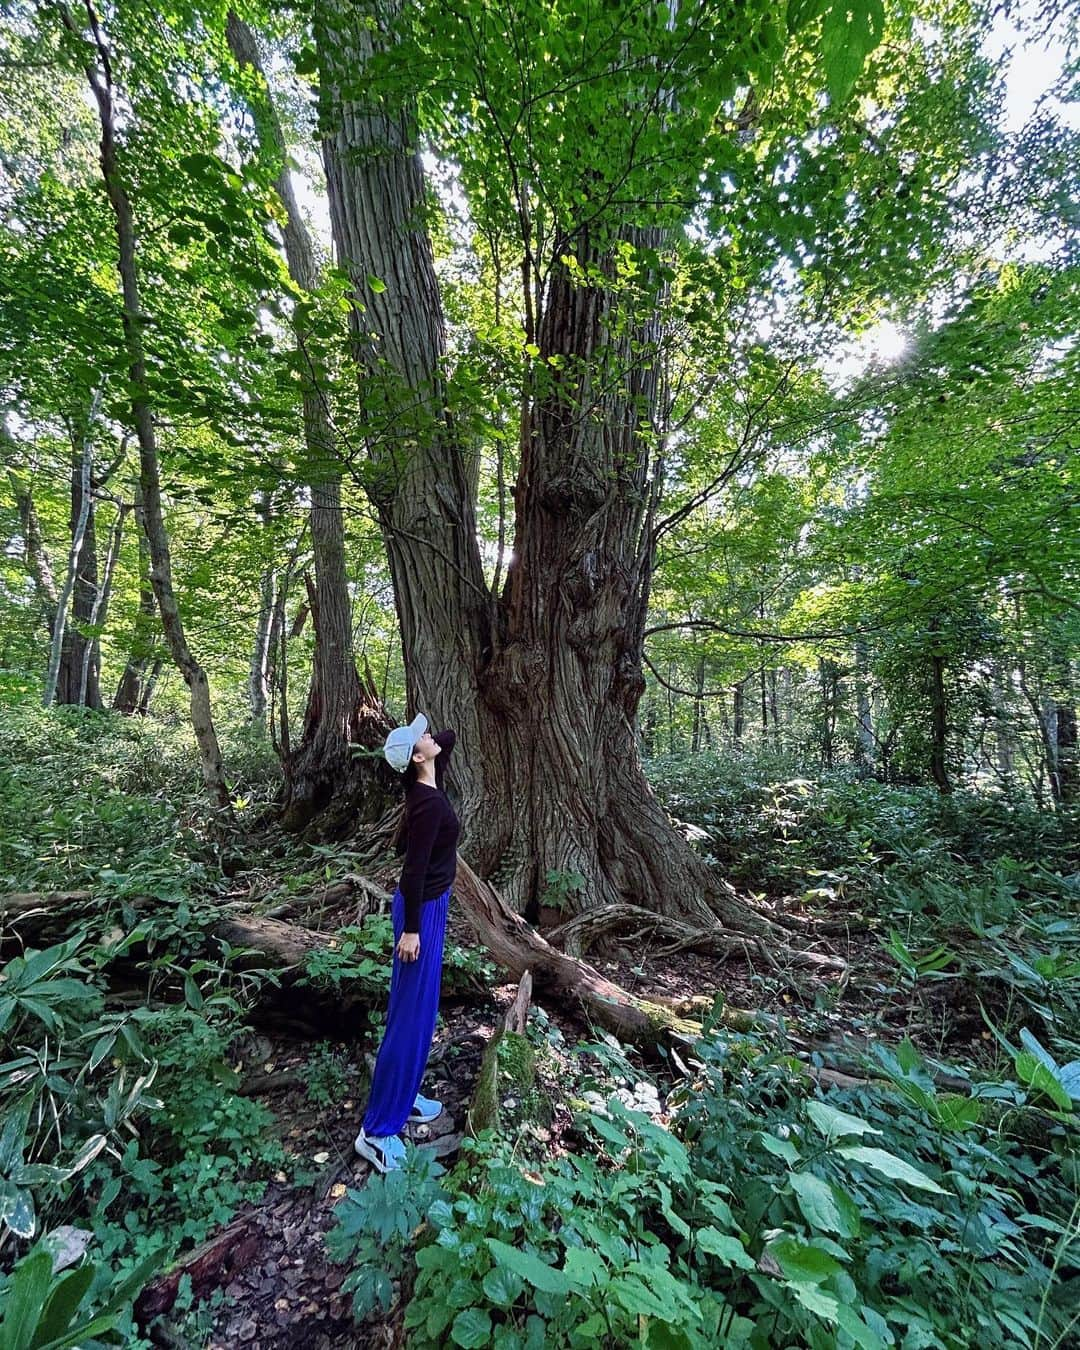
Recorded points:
(284,1291)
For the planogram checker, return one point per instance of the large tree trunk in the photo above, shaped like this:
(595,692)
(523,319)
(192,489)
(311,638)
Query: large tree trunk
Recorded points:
(320,764)
(543,682)
(161,577)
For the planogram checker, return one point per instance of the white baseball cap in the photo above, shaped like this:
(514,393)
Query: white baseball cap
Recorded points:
(402,740)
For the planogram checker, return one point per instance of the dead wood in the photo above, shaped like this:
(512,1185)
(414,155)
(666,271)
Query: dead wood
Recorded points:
(212,1263)
(502,1059)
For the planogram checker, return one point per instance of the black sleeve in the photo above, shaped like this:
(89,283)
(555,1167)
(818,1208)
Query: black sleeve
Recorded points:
(447,739)
(425,814)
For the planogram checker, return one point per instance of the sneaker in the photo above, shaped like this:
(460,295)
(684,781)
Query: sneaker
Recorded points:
(386,1153)
(424,1109)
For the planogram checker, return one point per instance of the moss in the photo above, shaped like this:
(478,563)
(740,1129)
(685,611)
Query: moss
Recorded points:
(507,1069)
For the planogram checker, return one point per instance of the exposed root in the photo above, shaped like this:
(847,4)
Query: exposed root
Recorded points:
(517,947)
(635,924)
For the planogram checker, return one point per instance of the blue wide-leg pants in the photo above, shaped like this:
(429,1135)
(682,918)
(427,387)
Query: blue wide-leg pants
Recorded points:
(410,1019)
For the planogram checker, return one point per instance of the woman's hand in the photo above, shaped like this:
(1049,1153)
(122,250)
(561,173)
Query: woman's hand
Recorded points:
(408,947)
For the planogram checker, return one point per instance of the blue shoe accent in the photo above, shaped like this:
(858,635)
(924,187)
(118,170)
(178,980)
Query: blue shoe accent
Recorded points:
(424,1110)
(386,1153)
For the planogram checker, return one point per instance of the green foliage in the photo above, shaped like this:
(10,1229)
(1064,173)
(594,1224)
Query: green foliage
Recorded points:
(560,888)
(373,1228)
(41,1307)
(766,1215)
(335,963)
(326,1080)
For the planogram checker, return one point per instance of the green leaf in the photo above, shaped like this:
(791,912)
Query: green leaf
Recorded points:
(863,1336)
(607,1130)
(638,1299)
(63,1302)
(956,1112)
(26,1296)
(834,1124)
(727,1248)
(810,1296)
(11,1140)
(817,1202)
(376,284)
(472,1328)
(20,1216)
(889,1165)
(502,1286)
(803,1261)
(1033,1073)
(780,1148)
(584,1267)
(529,1267)
(852,29)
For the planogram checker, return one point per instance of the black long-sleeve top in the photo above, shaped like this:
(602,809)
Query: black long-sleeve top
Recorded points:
(430,838)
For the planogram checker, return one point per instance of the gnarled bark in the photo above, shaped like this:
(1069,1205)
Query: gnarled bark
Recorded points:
(542,681)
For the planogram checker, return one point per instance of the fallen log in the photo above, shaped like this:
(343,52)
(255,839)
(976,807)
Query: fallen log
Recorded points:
(16,903)
(210,1264)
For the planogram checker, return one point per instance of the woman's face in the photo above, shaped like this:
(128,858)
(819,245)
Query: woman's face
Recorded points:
(428,746)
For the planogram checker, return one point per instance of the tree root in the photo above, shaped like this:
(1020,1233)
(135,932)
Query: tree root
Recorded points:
(635,924)
(517,947)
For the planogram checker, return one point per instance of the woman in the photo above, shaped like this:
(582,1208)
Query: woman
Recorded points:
(419,908)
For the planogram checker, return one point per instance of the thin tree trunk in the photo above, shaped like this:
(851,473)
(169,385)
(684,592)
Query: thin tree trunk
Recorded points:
(938,719)
(89,697)
(129,692)
(78,536)
(34,551)
(738,713)
(1002,727)
(259,671)
(695,739)
(161,578)
(649,727)
(1066,769)
(321,762)
(864,736)
(79,645)
(149,686)
(773,710)
(1067,776)
(670,709)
